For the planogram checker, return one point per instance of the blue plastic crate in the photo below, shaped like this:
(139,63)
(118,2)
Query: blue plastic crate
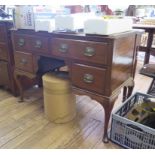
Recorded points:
(128,133)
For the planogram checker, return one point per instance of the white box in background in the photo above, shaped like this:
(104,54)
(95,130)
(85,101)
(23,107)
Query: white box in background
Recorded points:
(101,26)
(45,25)
(71,22)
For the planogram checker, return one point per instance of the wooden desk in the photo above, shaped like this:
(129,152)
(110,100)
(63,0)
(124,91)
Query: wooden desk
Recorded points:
(99,66)
(150,29)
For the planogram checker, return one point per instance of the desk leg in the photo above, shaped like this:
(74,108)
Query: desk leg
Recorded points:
(124,93)
(108,106)
(128,89)
(19,85)
(149,44)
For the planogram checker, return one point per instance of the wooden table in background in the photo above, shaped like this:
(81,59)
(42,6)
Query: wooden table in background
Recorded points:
(150,29)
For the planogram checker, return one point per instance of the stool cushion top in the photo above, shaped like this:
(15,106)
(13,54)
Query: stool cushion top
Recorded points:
(51,81)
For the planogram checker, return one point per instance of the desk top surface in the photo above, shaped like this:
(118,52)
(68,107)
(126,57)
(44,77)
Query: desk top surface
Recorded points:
(79,35)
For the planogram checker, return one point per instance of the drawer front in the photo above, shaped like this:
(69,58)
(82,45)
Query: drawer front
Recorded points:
(2,33)
(61,47)
(90,51)
(4,76)
(24,61)
(21,42)
(81,50)
(39,44)
(3,52)
(91,78)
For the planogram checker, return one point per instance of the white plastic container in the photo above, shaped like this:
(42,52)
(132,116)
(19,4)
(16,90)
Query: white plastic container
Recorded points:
(45,25)
(71,22)
(101,26)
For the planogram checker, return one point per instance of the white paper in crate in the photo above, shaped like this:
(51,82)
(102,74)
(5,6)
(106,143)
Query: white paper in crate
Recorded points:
(71,22)
(101,26)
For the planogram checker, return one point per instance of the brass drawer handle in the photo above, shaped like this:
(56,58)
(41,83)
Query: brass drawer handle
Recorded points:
(23,61)
(88,78)
(38,44)
(21,42)
(89,51)
(63,48)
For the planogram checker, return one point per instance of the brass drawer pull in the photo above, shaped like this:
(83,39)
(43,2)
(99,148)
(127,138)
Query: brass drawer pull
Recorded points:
(23,61)
(63,48)
(89,51)
(21,42)
(88,78)
(38,44)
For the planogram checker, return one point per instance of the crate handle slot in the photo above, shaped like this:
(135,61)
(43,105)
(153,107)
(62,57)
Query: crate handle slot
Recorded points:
(134,127)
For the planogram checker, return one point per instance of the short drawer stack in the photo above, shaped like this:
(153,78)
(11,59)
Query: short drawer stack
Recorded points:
(27,47)
(83,53)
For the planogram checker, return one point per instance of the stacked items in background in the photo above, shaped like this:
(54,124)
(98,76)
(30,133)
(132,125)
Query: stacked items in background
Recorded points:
(59,19)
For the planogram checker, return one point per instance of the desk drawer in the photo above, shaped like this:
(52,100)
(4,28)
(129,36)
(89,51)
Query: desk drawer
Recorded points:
(82,50)
(21,42)
(4,76)
(2,33)
(39,44)
(3,52)
(90,51)
(87,77)
(61,47)
(24,61)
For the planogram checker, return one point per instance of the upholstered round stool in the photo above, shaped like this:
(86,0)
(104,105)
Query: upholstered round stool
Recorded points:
(59,100)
